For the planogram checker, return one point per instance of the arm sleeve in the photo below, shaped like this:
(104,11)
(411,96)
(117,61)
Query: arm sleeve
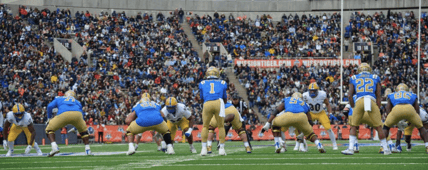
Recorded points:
(51,106)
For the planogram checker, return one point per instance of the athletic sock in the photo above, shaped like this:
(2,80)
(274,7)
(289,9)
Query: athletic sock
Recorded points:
(283,136)
(191,146)
(222,145)
(209,143)
(36,146)
(332,137)
(426,144)
(351,142)
(54,145)
(163,144)
(204,144)
(246,144)
(383,144)
(11,145)
(390,142)
(131,146)
(317,142)
(88,148)
(277,139)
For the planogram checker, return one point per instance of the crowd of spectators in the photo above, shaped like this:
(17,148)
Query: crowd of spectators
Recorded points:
(129,54)
(262,38)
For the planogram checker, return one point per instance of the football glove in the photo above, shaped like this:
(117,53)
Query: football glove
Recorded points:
(402,124)
(28,149)
(266,127)
(189,132)
(5,145)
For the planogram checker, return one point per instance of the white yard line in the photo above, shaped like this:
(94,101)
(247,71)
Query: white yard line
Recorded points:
(286,158)
(279,164)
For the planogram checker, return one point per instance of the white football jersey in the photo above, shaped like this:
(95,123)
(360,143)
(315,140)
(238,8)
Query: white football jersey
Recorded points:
(315,104)
(180,112)
(423,114)
(24,122)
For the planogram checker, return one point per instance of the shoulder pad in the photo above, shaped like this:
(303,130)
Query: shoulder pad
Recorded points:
(223,82)
(203,82)
(322,93)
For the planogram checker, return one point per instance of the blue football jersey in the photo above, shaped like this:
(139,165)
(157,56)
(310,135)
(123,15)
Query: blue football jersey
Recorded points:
(212,89)
(402,97)
(148,114)
(64,104)
(365,84)
(295,105)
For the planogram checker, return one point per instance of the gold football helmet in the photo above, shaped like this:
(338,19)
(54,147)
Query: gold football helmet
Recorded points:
(145,97)
(402,87)
(70,93)
(364,67)
(18,110)
(313,89)
(213,72)
(171,104)
(388,91)
(297,95)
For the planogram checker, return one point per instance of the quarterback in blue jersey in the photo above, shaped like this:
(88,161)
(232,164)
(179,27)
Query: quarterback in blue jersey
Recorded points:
(213,93)
(295,114)
(69,112)
(404,105)
(146,116)
(368,90)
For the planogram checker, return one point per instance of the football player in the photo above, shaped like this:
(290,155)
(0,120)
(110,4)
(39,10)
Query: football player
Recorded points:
(348,111)
(404,105)
(69,112)
(157,137)
(212,91)
(145,116)
(315,99)
(295,115)
(177,115)
(20,121)
(408,130)
(234,118)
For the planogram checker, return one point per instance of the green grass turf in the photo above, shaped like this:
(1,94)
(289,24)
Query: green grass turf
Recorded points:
(263,157)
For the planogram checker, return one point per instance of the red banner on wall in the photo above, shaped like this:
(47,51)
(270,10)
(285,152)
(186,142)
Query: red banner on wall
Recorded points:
(117,133)
(295,62)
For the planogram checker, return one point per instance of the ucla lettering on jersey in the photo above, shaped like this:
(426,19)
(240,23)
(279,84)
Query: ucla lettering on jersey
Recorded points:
(295,105)
(212,89)
(402,97)
(147,114)
(365,85)
(64,104)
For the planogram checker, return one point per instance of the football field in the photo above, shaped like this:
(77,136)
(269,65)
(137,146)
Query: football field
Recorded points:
(112,156)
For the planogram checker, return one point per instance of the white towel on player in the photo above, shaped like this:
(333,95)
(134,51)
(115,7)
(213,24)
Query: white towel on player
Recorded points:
(367,104)
(222,109)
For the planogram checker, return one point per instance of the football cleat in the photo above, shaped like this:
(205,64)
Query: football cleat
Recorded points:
(89,153)
(381,150)
(193,150)
(221,151)
(356,148)
(28,149)
(209,149)
(335,148)
(387,152)
(136,147)
(283,150)
(395,150)
(248,149)
(348,152)
(170,150)
(204,151)
(399,149)
(390,146)
(159,148)
(39,152)
(277,147)
(9,153)
(296,147)
(53,152)
(321,148)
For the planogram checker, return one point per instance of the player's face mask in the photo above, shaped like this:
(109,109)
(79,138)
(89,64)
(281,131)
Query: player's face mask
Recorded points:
(313,93)
(171,109)
(18,116)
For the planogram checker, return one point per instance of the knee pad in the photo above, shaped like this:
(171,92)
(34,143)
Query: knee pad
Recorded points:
(241,131)
(276,129)
(84,134)
(386,127)
(310,136)
(49,132)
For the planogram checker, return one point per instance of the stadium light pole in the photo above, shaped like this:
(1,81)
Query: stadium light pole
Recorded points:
(341,51)
(419,47)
